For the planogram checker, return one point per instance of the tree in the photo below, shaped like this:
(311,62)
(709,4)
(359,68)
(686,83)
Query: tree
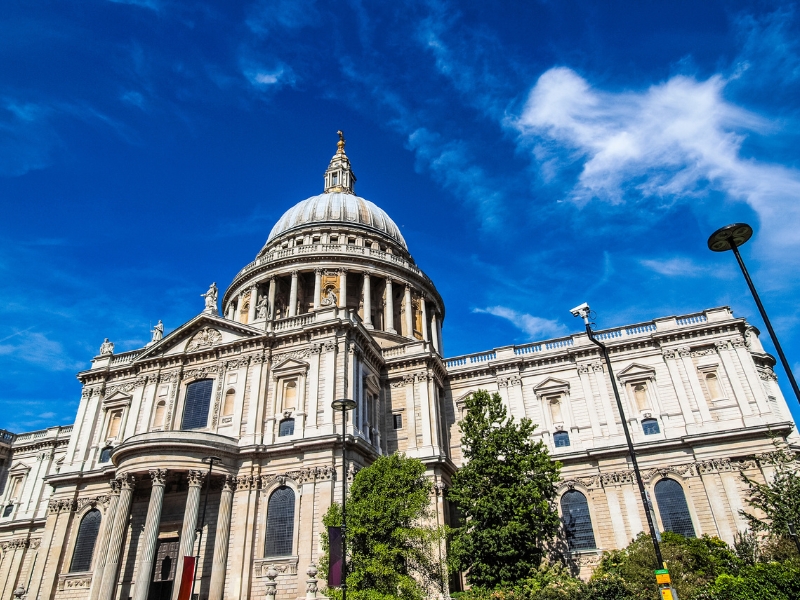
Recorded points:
(390,545)
(504,492)
(778,500)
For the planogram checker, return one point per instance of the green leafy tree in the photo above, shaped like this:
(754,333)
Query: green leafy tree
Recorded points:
(505,493)
(765,581)
(777,501)
(392,550)
(693,563)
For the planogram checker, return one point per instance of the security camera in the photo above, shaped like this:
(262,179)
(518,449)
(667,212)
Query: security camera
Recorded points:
(581,311)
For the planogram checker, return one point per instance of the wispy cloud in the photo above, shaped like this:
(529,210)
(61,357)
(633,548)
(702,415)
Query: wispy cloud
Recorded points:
(38,349)
(684,266)
(678,141)
(534,327)
(268,15)
(263,78)
(151,4)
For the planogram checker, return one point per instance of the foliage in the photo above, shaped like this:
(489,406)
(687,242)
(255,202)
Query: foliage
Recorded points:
(777,501)
(766,581)
(505,493)
(692,562)
(390,548)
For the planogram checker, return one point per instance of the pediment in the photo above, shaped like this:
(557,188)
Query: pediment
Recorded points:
(290,366)
(201,333)
(118,398)
(19,468)
(636,371)
(551,385)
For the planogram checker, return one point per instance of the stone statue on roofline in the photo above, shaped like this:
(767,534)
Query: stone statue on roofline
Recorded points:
(106,348)
(158,332)
(211,299)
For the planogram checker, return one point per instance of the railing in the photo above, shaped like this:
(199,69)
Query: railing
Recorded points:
(533,347)
(6,436)
(293,322)
(125,357)
(691,319)
(396,351)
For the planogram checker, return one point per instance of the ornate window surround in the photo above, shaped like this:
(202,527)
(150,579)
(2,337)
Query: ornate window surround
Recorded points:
(291,368)
(631,376)
(546,391)
(266,493)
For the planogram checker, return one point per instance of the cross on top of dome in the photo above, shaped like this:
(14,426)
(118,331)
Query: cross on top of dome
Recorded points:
(340,177)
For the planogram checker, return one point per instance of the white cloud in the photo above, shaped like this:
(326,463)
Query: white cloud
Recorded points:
(683,266)
(263,79)
(675,141)
(535,327)
(37,349)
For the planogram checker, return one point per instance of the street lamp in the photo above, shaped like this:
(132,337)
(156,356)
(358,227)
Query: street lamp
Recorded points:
(210,460)
(583,311)
(344,405)
(731,237)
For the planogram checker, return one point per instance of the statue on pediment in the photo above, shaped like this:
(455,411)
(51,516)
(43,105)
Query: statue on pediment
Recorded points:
(211,299)
(158,332)
(106,348)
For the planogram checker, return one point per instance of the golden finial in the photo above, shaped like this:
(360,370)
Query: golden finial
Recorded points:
(340,143)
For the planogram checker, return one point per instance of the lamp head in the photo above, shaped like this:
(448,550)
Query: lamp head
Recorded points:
(211,459)
(343,404)
(729,236)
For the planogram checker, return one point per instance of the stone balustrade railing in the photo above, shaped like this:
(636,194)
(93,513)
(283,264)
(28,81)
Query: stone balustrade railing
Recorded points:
(333,249)
(125,357)
(619,333)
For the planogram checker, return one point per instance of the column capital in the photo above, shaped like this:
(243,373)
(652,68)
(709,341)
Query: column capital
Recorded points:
(126,481)
(114,484)
(408,287)
(342,271)
(196,478)
(366,275)
(295,272)
(389,281)
(318,270)
(159,476)
(229,483)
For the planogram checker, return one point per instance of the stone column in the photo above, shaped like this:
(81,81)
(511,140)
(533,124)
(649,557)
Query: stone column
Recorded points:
(435,332)
(271,303)
(150,535)
(388,309)
(685,354)
(409,316)
(186,547)
(423,305)
(219,564)
(293,295)
(342,289)
(439,334)
(101,547)
(317,288)
(109,583)
(367,293)
(231,311)
(251,313)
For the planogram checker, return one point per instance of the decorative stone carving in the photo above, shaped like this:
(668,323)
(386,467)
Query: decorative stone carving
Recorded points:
(245,482)
(127,481)
(668,352)
(210,299)
(296,354)
(205,338)
(159,476)
(196,478)
(106,348)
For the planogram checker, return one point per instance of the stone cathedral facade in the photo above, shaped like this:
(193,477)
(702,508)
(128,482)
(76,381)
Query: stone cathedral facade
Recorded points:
(334,306)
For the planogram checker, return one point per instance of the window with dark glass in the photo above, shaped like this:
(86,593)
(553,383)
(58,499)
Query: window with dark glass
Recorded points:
(8,510)
(673,508)
(650,427)
(198,399)
(286,427)
(577,521)
(397,421)
(84,544)
(280,522)
(561,439)
(105,454)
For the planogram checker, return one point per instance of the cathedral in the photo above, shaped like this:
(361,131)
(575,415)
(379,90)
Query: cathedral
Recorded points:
(218,442)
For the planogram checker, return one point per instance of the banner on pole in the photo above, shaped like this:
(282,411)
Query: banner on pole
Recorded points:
(334,556)
(187,577)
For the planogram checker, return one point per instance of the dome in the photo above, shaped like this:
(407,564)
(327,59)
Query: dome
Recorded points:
(338,208)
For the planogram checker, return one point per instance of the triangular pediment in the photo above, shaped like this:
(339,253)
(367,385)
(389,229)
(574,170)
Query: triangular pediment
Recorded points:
(551,384)
(118,397)
(201,333)
(636,370)
(290,365)
(19,468)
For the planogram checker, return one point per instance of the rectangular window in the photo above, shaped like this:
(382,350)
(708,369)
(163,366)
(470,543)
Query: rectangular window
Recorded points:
(8,510)
(397,421)
(114,422)
(198,399)
(16,486)
(650,427)
(561,439)
(286,427)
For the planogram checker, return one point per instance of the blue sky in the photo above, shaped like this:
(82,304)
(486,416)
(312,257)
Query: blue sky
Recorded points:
(535,155)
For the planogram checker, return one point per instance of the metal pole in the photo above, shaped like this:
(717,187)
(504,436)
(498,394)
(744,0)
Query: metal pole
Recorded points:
(199,530)
(793,534)
(764,316)
(639,482)
(344,501)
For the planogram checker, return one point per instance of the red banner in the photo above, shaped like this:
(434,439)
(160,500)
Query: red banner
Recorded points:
(187,577)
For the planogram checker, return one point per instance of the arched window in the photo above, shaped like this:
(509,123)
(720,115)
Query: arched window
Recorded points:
(286,427)
(158,418)
(290,395)
(84,545)
(577,521)
(650,427)
(673,508)
(561,439)
(712,383)
(114,421)
(198,399)
(8,510)
(280,522)
(227,406)
(640,394)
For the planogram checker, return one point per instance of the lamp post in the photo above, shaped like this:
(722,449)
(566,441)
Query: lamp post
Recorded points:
(344,405)
(731,237)
(210,460)
(583,311)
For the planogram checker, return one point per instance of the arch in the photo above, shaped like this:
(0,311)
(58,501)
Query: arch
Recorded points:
(198,400)
(673,509)
(227,405)
(280,522)
(577,521)
(160,412)
(85,542)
